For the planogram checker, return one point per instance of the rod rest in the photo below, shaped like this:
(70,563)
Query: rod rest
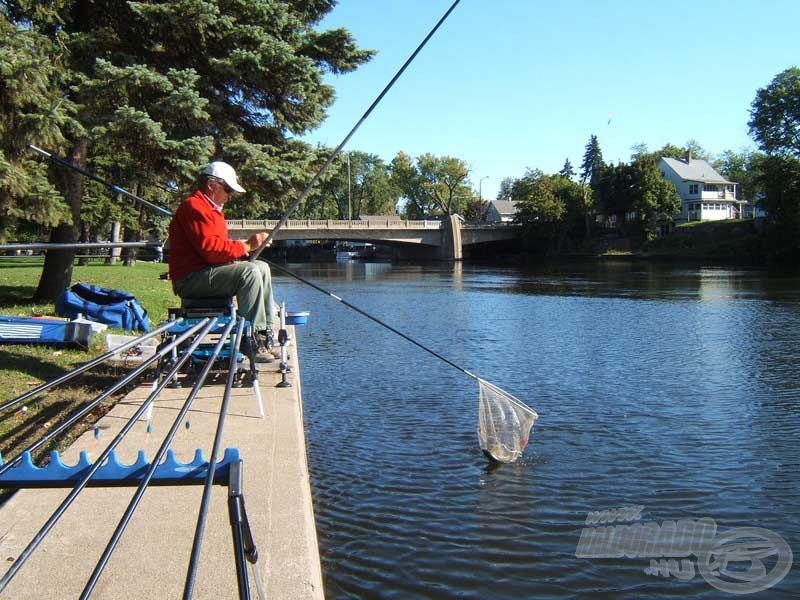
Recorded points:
(189,322)
(112,473)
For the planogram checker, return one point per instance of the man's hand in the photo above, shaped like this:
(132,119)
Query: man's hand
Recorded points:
(254,242)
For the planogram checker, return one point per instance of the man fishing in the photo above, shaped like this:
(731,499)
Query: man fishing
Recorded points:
(205,262)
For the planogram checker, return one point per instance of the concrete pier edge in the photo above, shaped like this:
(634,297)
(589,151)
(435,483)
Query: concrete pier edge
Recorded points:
(152,556)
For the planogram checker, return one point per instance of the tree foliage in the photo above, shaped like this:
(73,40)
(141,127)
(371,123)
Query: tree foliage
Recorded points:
(32,110)
(779,177)
(775,125)
(775,115)
(357,184)
(431,184)
(636,195)
(744,169)
(549,207)
(592,162)
(152,90)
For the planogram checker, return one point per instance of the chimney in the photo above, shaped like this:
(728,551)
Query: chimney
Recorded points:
(688,156)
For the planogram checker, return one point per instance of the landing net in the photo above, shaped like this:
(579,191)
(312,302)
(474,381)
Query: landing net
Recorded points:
(504,423)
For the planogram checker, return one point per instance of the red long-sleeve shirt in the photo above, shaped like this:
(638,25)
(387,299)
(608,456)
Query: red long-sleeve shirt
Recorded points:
(198,238)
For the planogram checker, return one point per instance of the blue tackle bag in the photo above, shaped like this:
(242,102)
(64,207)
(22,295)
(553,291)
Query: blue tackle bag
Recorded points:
(115,308)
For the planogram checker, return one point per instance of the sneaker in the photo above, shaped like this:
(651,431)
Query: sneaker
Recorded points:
(267,340)
(263,355)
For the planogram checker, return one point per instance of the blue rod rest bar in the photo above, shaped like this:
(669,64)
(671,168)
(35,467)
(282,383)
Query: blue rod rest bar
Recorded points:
(112,473)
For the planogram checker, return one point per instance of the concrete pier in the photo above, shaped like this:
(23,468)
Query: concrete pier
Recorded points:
(152,557)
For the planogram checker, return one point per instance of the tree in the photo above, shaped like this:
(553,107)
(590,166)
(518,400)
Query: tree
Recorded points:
(417,203)
(592,162)
(31,111)
(775,115)
(158,88)
(506,185)
(775,125)
(475,209)
(548,206)
(637,195)
(358,184)
(431,184)
(742,168)
(779,177)
(640,152)
(654,197)
(567,170)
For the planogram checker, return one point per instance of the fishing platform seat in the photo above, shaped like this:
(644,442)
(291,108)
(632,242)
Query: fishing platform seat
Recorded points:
(209,305)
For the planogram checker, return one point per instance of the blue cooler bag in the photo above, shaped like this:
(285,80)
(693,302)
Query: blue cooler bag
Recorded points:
(112,307)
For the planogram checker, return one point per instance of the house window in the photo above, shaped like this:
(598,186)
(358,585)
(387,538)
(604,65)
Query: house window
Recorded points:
(693,188)
(711,187)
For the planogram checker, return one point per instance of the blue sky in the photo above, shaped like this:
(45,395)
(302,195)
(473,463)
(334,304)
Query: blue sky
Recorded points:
(508,85)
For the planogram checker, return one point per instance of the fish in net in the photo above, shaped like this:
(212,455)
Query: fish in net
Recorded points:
(504,423)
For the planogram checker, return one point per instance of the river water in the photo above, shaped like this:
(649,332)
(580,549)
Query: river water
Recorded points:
(674,390)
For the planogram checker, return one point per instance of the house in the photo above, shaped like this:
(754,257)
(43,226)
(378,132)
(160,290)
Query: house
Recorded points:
(501,211)
(705,194)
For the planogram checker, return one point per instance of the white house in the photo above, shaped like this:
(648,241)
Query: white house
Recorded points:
(705,194)
(501,211)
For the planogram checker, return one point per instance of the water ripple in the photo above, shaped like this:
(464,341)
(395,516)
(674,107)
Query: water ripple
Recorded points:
(671,389)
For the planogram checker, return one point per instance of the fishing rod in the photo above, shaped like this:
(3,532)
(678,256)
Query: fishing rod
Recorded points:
(493,400)
(166,443)
(372,318)
(256,253)
(23,557)
(118,191)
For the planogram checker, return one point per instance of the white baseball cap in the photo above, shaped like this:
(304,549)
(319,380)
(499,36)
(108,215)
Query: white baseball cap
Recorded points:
(225,172)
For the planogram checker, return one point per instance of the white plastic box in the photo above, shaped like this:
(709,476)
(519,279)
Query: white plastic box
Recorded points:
(133,356)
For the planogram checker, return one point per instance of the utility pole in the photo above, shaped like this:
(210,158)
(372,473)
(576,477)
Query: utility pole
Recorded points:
(480,187)
(349,191)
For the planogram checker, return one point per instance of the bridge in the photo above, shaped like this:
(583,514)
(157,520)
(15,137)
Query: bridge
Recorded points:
(444,239)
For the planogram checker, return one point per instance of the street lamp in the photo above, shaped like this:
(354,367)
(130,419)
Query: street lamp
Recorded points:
(349,192)
(480,187)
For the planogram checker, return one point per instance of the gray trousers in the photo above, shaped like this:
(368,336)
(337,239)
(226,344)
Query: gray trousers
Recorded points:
(250,282)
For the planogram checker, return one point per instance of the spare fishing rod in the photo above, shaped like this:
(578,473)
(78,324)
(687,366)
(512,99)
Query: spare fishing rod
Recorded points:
(271,236)
(115,189)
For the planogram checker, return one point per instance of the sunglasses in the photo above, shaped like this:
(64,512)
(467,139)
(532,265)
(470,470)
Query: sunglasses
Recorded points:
(228,189)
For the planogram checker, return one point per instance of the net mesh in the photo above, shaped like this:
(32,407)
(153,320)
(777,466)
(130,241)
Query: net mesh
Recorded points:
(504,423)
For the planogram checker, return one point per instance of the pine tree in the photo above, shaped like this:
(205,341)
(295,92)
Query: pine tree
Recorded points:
(592,162)
(567,170)
(159,88)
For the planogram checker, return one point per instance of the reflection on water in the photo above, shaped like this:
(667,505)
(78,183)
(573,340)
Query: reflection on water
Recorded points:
(670,388)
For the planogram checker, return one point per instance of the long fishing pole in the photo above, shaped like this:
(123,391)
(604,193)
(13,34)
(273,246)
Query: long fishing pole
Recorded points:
(372,318)
(112,186)
(23,557)
(256,253)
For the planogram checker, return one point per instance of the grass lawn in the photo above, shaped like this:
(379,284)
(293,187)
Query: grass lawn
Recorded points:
(23,367)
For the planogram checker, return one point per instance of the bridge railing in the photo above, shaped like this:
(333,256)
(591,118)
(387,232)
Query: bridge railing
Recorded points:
(268,224)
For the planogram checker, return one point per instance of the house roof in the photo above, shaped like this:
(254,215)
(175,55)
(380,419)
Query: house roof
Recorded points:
(695,170)
(504,207)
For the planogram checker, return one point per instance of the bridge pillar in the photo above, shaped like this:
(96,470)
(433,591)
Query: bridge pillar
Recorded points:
(451,239)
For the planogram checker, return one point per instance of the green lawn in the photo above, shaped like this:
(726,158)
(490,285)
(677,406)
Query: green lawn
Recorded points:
(23,367)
